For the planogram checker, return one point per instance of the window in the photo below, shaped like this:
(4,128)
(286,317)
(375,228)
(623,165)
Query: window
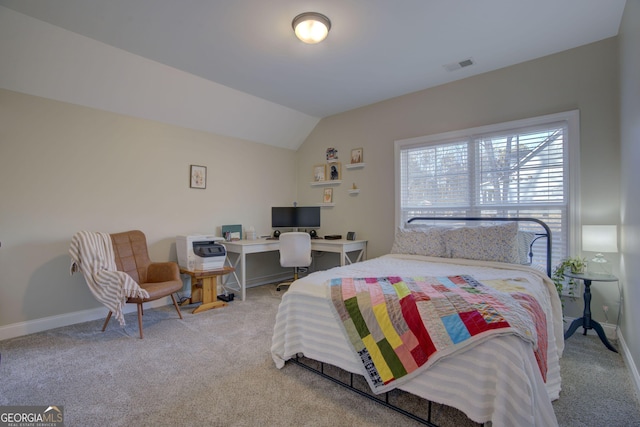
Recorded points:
(526,168)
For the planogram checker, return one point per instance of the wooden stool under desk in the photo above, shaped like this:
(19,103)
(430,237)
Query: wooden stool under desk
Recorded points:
(204,287)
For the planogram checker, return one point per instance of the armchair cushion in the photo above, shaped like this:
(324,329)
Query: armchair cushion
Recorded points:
(162,272)
(157,290)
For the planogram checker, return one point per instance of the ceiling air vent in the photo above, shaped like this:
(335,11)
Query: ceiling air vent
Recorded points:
(457,65)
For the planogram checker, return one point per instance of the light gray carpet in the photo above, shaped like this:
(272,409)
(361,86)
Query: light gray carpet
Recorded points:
(215,369)
(596,386)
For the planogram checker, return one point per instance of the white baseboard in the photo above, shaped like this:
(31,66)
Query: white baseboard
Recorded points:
(38,325)
(262,280)
(265,280)
(628,359)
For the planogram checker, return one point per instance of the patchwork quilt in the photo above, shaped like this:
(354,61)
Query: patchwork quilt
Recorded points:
(399,326)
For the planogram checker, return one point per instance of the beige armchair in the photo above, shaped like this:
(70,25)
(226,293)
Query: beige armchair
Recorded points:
(159,279)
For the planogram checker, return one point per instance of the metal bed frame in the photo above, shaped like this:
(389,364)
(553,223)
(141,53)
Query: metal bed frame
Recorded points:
(298,360)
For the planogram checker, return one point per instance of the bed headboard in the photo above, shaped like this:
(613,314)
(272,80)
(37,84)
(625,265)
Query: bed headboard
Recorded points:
(544,230)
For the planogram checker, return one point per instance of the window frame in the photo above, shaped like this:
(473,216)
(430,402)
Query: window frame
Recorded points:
(571,162)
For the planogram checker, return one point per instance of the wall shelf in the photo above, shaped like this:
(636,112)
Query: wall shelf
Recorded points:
(324,183)
(326,204)
(356,191)
(354,165)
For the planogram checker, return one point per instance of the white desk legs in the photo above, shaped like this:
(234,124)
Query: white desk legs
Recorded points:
(243,271)
(239,262)
(344,258)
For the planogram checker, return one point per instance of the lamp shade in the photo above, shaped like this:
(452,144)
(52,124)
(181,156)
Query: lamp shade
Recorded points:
(311,27)
(599,238)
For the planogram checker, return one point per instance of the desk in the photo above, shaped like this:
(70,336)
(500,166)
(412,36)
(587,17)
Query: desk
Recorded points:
(243,247)
(586,321)
(208,281)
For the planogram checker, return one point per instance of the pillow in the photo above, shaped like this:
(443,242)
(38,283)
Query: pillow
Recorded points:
(423,241)
(485,243)
(523,241)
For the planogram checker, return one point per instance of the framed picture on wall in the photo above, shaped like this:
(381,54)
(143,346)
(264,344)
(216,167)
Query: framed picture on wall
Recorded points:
(198,177)
(356,156)
(327,197)
(319,173)
(334,171)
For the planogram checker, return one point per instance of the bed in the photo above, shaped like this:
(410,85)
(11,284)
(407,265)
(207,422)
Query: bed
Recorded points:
(504,376)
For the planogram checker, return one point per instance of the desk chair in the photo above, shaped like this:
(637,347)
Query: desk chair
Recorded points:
(295,251)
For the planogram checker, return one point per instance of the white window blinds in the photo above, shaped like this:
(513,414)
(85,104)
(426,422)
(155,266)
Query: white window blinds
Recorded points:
(517,169)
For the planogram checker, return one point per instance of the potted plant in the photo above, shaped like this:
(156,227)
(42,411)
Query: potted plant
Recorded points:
(575,265)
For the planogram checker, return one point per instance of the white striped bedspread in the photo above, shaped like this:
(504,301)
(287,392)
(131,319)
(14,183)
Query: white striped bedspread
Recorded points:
(497,380)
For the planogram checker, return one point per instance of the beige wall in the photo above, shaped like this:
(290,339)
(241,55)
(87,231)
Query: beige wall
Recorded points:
(65,168)
(630,172)
(584,78)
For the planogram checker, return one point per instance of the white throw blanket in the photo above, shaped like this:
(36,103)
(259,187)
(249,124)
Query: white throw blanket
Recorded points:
(92,254)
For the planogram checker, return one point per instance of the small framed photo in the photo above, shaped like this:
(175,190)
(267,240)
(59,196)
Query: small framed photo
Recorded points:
(334,171)
(319,173)
(198,177)
(332,155)
(356,156)
(327,197)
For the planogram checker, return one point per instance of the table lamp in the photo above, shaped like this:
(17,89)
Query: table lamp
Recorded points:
(599,239)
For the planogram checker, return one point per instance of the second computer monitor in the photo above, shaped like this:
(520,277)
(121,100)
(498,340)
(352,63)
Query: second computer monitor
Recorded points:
(308,217)
(295,217)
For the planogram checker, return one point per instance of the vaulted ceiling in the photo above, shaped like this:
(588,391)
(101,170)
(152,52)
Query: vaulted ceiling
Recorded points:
(376,49)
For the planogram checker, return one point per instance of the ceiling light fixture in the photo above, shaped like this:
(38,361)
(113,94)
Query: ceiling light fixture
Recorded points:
(311,27)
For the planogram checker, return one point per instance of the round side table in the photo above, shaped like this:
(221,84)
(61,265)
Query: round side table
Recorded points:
(586,321)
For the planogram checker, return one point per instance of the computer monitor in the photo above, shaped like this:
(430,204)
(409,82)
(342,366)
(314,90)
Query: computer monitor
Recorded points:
(308,217)
(295,217)
(283,217)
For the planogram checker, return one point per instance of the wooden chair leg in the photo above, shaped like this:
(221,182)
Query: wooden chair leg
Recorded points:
(106,321)
(175,303)
(140,319)
(140,313)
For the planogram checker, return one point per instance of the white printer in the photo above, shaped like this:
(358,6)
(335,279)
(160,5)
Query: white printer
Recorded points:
(200,252)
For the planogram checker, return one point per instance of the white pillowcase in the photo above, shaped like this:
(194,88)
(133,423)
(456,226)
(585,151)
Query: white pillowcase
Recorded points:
(484,243)
(524,240)
(420,241)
